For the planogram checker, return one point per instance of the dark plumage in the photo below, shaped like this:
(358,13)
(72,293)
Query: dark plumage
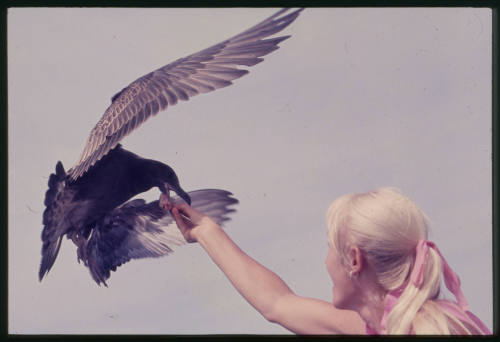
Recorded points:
(74,207)
(108,233)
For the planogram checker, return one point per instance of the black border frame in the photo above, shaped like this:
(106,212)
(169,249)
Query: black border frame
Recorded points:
(225,3)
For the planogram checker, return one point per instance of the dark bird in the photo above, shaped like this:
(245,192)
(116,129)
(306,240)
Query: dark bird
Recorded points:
(85,202)
(108,233)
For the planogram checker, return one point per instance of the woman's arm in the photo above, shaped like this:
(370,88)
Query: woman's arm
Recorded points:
(263,289)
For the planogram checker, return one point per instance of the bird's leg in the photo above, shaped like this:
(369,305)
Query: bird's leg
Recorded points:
(82,251)
(80,243)
(165,202)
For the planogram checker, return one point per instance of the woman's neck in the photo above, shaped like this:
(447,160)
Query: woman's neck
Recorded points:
(371,305)
(372,315)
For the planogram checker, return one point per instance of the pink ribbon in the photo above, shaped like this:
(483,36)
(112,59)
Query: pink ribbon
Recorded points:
(451,280)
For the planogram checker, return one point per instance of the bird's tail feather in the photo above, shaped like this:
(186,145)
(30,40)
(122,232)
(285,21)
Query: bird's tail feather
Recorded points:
(50,250)
(56,183)
(51,242)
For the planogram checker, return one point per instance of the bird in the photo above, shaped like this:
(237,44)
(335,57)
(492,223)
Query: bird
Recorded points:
(83,202)
(108,232)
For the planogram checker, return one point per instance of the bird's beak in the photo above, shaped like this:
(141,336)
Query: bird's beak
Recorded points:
(181,193)
(184,195)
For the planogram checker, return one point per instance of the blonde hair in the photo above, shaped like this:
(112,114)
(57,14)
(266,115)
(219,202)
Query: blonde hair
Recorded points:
(386,226)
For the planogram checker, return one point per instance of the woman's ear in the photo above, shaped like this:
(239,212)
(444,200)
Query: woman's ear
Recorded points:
(356,260)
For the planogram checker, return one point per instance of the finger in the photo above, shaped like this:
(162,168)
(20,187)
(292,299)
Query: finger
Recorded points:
(183,224)
(194,215)
(182,217)
(179,220)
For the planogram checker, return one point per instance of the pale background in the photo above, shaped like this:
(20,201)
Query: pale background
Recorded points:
(356,99)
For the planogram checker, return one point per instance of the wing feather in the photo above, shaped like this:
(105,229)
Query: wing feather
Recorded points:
(141,230)
(179,93)
(227,75)
(162,100)
(200,85)
(238,61)
(171,97)
(212,80)
(190,91)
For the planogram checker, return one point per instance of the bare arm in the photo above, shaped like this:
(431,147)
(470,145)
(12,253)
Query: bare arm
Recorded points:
(262,288)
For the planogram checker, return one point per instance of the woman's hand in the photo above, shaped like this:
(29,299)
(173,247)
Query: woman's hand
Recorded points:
(191,222)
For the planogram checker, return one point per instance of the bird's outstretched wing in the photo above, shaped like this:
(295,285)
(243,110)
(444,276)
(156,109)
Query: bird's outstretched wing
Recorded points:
(201,72)
(139,230)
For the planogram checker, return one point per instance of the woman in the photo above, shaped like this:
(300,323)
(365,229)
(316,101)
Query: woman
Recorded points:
(386,274)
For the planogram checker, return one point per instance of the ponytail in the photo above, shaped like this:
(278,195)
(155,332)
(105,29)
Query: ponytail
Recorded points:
(416,308)
(412,299)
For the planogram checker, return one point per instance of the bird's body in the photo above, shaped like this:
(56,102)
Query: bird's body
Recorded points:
(74,207)
(122,175)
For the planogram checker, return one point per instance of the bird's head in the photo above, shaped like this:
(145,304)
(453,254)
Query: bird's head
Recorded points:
(168,180)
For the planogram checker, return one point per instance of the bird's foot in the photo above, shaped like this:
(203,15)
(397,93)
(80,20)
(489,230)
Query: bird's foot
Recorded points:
(81,251)
(165,202)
